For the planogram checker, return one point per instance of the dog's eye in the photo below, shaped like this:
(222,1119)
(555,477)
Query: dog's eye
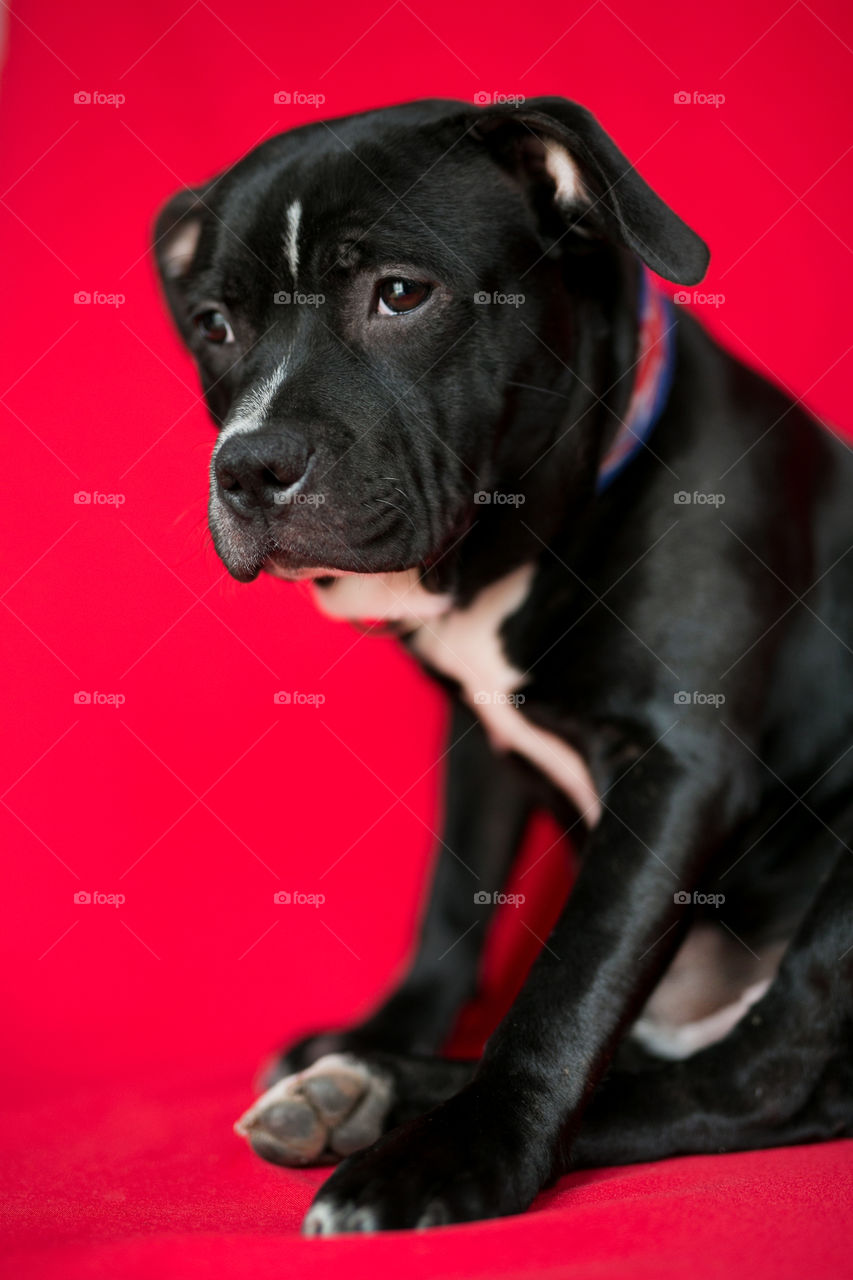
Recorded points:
(396,295)
(213,326)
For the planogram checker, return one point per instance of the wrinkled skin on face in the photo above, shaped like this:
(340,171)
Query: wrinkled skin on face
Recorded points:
(384,312)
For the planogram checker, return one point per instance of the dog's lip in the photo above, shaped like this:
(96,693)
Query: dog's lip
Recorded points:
(320,575)
(290,568)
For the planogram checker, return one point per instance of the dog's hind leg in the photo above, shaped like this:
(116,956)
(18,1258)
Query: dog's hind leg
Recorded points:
(783,1074)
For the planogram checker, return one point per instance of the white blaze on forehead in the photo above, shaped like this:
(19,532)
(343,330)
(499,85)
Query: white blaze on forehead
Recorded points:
(291,237)
(251,411)
(564,171)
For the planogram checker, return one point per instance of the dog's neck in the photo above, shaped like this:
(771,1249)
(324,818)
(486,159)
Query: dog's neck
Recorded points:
(653,369)
(402,596)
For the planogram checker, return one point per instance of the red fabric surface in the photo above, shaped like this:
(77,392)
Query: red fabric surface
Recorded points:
(143,1181)
(134,1029)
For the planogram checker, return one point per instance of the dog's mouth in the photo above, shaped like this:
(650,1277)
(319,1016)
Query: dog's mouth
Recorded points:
(289,572)
(328,559)
(394,572)
(247,552)
(299,545)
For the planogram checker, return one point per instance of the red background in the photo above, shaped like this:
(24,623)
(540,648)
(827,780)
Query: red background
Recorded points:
(135,1030)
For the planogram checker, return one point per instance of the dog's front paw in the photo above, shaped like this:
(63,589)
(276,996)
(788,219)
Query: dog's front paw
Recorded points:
(304,1053)
(460,1162)
(336,1106)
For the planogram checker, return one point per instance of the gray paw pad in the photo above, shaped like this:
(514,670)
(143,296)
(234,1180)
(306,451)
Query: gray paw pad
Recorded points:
(336,1106)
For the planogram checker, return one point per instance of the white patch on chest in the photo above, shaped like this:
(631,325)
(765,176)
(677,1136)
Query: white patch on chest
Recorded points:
(464,645)
(379,597)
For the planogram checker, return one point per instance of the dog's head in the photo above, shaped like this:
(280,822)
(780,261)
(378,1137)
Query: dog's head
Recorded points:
(380,309)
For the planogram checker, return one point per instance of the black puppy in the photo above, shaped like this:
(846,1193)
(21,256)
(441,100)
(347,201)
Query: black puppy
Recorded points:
(451,396)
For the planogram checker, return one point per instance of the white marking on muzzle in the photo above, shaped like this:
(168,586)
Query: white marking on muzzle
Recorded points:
(250,413)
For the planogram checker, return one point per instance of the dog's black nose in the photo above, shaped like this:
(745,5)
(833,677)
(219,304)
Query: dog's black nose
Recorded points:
(260,470)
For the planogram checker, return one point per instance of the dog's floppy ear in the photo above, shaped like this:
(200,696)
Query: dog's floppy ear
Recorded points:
(176,236)
(559,146)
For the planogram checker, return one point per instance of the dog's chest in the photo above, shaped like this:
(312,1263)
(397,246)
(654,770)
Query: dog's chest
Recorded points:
(465,645)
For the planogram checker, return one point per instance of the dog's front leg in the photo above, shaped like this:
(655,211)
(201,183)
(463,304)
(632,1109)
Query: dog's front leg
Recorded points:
(335,1092)
(488,1150)
(487,803)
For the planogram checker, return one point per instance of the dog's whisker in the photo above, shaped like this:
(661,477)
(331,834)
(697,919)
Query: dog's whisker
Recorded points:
(547,391)
(387,503)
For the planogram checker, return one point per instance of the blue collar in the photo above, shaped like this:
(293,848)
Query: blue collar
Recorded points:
(654,367)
